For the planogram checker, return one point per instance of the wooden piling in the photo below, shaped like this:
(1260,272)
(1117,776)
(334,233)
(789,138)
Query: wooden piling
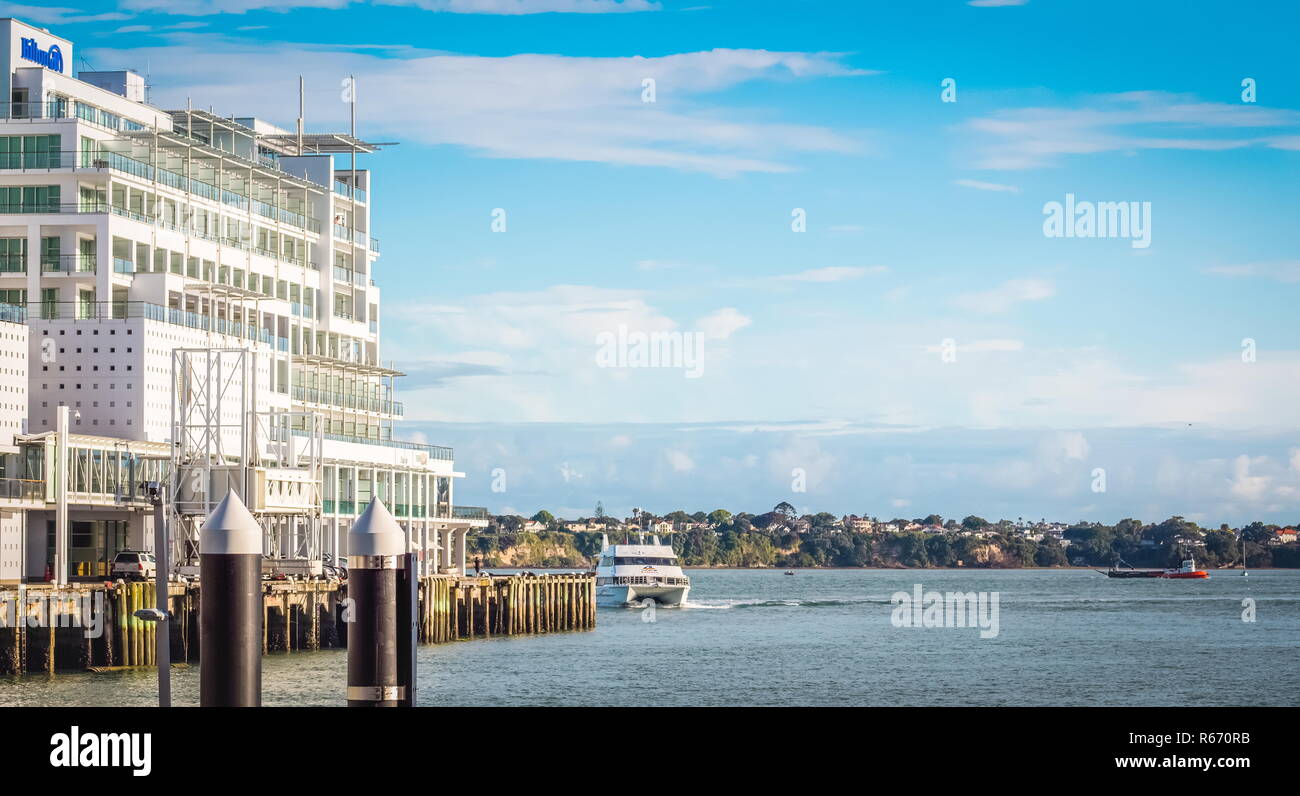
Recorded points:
(296,616)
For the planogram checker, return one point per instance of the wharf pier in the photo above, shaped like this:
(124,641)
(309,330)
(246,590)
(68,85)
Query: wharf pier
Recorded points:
(92,626)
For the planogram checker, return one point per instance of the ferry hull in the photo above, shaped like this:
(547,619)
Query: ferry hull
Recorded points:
(617,596)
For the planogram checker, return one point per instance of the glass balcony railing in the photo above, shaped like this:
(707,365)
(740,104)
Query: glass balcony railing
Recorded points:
(469,512)
(91,159)
(437,452)
(345,401)
(18,489)
(117,310)
(68,263)
(411,510)
(343,189)
(356,236)
(41,207)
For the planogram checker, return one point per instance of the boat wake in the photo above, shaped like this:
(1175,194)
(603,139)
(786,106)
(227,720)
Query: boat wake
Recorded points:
(724,605)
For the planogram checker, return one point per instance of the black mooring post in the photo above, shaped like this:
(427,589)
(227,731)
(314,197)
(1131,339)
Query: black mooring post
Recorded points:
(376,556)
(408,602)
(230,607)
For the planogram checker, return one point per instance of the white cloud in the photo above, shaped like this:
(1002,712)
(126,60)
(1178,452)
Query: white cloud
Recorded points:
(987,186)
(1127,122)
(981,346)
(1074,445)
(1244,485)
(536,106)
(657,265)
(1084,388)
(1151,473)
(1276,270)
(56,15)
(996,3)
(680,461)
(509,7)
(1005,296)
(721,324)
(837,273)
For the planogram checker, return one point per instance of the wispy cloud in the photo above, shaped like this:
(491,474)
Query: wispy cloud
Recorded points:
(1006,295)
(520,106)
(982,346)
(722,324)
(1032,137)
(658,265)
(986,186)
(836,273)
(57,15)
(1276,270)
(1213,476)
(996,3)
(161,29)
(196,8)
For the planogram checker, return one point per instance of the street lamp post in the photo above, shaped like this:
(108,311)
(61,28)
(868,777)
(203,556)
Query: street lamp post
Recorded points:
(161,612)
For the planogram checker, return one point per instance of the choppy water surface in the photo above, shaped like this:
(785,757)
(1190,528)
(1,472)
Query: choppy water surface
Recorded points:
(824,637)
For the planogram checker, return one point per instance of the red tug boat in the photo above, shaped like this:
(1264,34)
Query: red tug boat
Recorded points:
(1187,571)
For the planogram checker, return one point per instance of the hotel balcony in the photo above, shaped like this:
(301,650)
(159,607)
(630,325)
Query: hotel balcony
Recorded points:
(119,310)
(78,160)
(345,401)
(19,493)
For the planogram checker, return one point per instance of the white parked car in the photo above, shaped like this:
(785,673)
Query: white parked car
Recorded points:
(135,565)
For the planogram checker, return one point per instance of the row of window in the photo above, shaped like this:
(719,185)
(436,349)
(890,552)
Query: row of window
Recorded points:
(30,152)
(29,199)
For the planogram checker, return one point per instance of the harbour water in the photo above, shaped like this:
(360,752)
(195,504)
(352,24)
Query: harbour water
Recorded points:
(825,637)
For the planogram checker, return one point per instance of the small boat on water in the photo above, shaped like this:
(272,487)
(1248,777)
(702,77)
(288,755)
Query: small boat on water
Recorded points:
(1187,571)
(1131,572)
(789,572)
(630,574)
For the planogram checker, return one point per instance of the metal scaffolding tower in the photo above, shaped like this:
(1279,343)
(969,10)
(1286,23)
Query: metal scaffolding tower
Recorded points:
(224,440)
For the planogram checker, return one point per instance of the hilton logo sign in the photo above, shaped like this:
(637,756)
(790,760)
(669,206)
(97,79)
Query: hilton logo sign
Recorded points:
(50,59)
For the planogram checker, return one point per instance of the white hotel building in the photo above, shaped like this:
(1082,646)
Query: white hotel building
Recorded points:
(127,232)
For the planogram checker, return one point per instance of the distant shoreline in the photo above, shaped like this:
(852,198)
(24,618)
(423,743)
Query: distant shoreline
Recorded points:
(1070,568)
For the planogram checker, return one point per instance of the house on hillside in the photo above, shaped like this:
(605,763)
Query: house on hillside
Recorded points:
(1283,536)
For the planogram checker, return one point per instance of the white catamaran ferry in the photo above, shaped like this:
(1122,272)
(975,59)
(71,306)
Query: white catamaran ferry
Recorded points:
(628,574)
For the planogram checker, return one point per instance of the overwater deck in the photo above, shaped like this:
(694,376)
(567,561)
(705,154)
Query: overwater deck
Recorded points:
(44,628)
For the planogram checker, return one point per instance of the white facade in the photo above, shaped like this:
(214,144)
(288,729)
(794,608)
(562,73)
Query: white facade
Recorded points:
(129,231)
(13,418)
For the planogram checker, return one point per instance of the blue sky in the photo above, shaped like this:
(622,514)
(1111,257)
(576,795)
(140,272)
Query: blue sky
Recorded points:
(822,349)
